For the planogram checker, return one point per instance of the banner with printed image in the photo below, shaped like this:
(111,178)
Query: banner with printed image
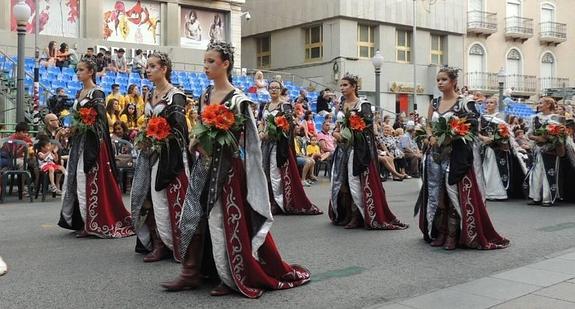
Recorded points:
(58,18)
(199,26)
(132,21)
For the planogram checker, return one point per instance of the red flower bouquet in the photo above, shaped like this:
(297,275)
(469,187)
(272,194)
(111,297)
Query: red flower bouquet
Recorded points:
(501,134)
(554,133)
(277,127)
(217,126)
(447,130)
(85,119)
(156,133)
(353,126)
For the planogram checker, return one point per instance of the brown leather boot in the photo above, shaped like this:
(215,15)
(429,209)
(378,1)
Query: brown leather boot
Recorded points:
(452,230)
(441,229)
(159,249)
(221,290)
(356,220)
(191,276)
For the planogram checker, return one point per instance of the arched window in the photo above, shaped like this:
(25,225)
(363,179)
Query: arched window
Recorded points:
(476,58)
(514,62)
(547,74)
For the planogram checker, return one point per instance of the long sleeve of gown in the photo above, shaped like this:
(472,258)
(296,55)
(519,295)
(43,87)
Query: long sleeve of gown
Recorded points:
(171,158)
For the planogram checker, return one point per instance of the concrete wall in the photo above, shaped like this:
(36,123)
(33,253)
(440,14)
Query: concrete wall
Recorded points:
(91,30)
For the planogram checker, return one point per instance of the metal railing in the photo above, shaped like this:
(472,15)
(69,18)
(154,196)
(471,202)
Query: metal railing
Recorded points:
(521,83)
(519,25)
(552,82)
(553,30)
(482,20)
(482,81)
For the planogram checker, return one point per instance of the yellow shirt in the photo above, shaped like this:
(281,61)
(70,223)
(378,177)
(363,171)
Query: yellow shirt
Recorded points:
(312,150)
(111,120)
(119,97)
(299,149)
(139,103)
(132,125)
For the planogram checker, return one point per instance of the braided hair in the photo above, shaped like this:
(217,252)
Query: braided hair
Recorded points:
(452,73)
(91,65)
(164,61)
(226,51)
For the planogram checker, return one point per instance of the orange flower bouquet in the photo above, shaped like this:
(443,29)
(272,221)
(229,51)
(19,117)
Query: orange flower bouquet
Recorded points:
(501,134)
(156,133)
(353,127)
(277,127)
(217,126)
(85,119)
(447,130)
(554,133)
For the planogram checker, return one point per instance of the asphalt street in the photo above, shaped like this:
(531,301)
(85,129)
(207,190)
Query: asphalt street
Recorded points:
(50,268)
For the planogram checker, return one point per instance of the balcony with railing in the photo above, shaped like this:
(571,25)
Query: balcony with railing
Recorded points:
(482,81)
(521,84)
(518,28)
(552,33)
(482,23)
(552,82)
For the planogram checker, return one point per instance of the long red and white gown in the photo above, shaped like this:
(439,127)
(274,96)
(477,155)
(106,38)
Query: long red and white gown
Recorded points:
(92,200)
(229,194)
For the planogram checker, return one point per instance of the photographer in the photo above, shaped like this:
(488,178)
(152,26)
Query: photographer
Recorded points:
(59,102)
(324,102)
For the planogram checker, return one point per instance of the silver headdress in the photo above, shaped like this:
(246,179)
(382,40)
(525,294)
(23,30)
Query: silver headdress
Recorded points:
(453,72)
(352,77)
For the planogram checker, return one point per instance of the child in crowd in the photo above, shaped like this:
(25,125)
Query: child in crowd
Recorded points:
(312,149)
(47,158)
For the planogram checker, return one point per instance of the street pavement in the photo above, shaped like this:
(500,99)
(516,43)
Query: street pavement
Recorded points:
(50,268)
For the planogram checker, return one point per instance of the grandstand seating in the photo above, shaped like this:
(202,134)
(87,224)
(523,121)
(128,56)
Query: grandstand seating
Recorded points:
(191,82)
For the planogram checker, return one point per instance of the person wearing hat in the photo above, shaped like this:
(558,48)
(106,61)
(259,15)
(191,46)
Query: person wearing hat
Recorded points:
(410,149)
(119,63)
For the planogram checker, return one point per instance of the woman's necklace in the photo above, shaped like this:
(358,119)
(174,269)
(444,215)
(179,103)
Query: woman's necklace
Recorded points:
(161,92)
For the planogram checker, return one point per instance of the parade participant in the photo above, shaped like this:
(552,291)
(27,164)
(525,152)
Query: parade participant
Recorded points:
(92,200)
(357,195)
(503,168)
(544,174)
(451,205)
(160,175)
(284,182)
(225,204)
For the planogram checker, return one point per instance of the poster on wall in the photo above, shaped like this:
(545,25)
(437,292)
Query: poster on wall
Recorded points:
(59,18)
(132,21)
(198,27)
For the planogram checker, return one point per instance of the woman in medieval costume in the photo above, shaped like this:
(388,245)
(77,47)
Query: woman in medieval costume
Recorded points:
(160,175)
(544,176)
(503,165)
(92,200)
(287,195)
(357,195)
(451,202)
(225,204)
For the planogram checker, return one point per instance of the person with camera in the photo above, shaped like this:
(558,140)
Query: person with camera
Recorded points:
(59,102)
(324,101)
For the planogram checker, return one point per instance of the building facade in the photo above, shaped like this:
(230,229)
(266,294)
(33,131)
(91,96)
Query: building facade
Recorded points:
(527,39)
(323,39)
(182,28)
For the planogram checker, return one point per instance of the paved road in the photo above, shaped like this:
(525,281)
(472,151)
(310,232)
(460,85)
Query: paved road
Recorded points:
(50,268)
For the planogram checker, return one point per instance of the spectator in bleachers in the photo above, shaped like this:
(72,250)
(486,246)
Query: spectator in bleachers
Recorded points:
(119,131)
(399,121)
(74,58)
(324,100)
(49,162)
(115,94)
(309,125)
(386,157)
(387,120)
(63,56)
(53,130)
(21,134)
(58,102)
(130,117)
(391,144)
(133,96)
(48,57)
(101,64)
(284,95)
(112,112)
(119,62)
(302,98)
(326,140)
(410,149)
(329,119)
(479,99)
(139,63)
(306,163)
(89,55)
(191,114)
(260,83)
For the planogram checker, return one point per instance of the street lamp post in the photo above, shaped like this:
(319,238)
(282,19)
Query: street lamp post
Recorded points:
(36,57)
(377,62)
(22,13)
(501,79)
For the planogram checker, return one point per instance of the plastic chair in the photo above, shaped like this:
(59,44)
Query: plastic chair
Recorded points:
(10,151)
